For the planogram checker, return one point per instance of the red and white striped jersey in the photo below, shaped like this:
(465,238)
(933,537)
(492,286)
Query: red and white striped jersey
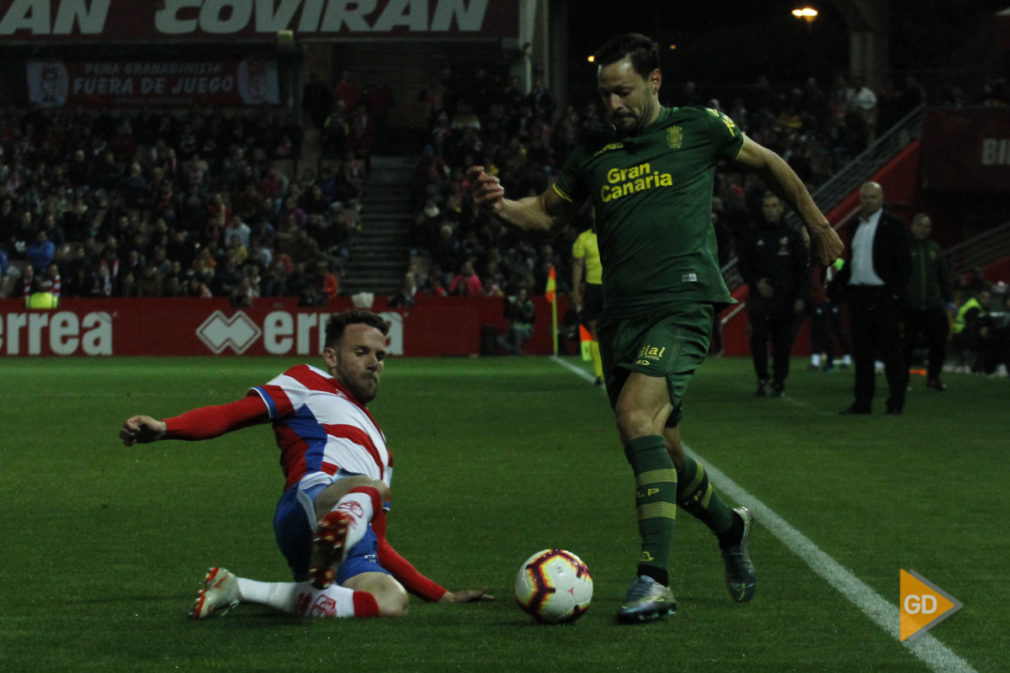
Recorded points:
(321,428)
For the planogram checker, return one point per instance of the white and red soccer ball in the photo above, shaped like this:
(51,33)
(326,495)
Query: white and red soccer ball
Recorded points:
(554,586)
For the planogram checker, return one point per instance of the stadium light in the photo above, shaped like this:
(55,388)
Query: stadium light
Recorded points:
(808,14)
(591,58)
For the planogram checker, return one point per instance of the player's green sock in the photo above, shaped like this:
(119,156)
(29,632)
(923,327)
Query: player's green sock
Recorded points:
(696,495)
(655,498)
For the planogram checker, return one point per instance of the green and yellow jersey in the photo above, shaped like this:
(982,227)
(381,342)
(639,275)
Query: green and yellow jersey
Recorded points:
(653,198)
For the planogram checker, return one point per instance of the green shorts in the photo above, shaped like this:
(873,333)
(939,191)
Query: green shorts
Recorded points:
(672,345)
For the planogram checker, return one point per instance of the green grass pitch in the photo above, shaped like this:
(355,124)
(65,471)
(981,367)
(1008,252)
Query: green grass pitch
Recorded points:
(104,546)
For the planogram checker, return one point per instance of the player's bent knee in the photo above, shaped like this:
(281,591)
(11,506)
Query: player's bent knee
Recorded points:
(393,603)
(390,596)
(634,422)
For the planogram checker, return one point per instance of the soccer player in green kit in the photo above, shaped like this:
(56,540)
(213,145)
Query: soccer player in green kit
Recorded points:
(650,178)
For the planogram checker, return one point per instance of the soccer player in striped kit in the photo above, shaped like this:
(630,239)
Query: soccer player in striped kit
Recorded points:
(330,522)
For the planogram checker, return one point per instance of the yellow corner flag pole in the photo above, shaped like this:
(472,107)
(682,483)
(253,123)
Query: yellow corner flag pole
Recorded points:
(551,294)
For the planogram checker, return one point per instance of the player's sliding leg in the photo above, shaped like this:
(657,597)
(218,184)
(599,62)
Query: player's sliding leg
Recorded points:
(732,526)
(223,590)
(345,509)
(218,595)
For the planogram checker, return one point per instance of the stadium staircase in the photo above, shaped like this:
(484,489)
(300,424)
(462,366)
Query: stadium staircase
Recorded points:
(380,252)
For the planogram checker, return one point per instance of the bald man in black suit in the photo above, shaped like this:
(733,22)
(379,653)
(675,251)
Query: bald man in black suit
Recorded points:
(875,276)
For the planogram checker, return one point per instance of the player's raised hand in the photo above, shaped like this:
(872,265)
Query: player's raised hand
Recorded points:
(825,245)
(466,596)
(487,190)
(141,429)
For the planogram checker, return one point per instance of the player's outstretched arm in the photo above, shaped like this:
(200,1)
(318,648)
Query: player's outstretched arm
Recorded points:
(825,245)
(466,596)
(141,430)
(543,215)
(200,423)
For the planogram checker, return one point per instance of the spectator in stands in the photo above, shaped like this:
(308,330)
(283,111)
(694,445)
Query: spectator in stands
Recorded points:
(540,100)
(406,295)
(434,284)
(347,91)
(41,251)
(972,332)
(864,102)
(520,313)
(150,282)
(466,283)
(196,287)
(243,293)
(26,283)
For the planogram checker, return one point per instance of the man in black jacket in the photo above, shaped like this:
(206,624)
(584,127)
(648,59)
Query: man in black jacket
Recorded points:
(929,294)
(875,278)
(773,262)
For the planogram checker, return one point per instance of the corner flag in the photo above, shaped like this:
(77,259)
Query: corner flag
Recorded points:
(551,293)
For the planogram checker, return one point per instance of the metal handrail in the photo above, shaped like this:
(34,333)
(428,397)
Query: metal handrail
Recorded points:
(989,246)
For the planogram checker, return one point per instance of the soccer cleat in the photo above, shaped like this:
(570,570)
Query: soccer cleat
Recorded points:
(328,548)
(647,600)
(218,595)
(741,578)
(762,389)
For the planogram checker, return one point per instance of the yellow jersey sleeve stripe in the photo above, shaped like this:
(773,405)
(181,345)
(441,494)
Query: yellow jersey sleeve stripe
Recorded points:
(562,194)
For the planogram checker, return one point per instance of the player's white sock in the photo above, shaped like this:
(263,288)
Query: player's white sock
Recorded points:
(303,600)
(846,360)
(815,360)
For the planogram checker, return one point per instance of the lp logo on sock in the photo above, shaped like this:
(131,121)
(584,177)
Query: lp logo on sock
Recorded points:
(923,605)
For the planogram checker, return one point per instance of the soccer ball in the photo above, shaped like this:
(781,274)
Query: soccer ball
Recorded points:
(554,586)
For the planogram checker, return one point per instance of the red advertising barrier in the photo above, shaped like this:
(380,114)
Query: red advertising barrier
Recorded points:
(272,326)
(966,149)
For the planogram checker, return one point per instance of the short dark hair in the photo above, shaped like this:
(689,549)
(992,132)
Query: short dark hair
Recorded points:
(338,322)
(640,49)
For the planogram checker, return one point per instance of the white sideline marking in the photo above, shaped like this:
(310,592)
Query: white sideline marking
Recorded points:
(926,647)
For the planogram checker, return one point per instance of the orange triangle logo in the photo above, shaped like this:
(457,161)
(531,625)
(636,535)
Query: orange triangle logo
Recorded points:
(923,605)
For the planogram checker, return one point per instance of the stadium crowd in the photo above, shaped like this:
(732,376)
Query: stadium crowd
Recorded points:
(204,203)
(147,203)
